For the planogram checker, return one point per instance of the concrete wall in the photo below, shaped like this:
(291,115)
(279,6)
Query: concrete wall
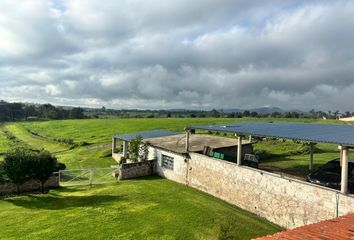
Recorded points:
(138,169)
(117,156)
(287,202)
(31,185)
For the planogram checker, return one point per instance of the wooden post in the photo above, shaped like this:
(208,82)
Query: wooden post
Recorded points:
(344,175)
(125,149)
(239,150)
(187,140)
(311,156)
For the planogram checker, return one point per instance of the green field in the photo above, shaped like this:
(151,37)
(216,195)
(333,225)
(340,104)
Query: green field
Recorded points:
(5,144)
(148,208)
(96,135)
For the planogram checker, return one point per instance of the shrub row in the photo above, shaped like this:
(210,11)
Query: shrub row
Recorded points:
(23,164)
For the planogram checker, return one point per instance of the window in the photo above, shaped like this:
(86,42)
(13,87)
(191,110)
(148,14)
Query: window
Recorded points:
(167,162)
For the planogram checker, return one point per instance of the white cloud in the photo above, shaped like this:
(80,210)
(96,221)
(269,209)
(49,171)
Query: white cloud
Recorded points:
(153,54)
(52,90)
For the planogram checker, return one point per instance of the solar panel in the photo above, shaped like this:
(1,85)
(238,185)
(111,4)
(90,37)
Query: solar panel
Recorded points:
(326,133)
(145,134)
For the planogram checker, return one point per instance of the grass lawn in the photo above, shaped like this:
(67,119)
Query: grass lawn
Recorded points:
(99,131)
(102,130)
(147,208)
(86,157)
(5,144)
(33,141)
(283,159)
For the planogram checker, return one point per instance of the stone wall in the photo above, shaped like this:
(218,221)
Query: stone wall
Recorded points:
(31,185)
(138,169)
(284,201)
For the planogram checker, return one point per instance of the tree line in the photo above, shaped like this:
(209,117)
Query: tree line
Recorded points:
(24,112)
(21,111)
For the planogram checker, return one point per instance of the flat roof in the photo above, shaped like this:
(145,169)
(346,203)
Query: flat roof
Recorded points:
(177,143)
(325,133)
(145,134)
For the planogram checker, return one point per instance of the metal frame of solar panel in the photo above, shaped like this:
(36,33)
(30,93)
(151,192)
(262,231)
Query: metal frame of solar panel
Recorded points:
(325,133)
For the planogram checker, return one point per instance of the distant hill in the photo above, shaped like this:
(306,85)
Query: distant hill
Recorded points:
(261,110)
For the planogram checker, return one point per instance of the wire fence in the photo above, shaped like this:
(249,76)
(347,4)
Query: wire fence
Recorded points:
(89,176)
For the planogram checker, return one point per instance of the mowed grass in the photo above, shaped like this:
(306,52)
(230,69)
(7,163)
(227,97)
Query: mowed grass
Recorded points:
(147,208)
(87,157)
(283,159)
(102,130)
(33,141)
(5,144)
(97,132)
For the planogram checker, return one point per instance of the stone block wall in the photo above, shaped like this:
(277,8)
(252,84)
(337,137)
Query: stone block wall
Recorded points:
(138,169)
(31,185)
(284,201)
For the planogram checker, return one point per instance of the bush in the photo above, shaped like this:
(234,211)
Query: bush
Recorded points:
(122,160)
(68,141)
(42,167)
(59,166)
(262,154)
(2,173)
(18,166)
(138,150)
(23,164)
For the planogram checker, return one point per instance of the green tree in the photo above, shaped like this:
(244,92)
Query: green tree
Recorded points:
(43,165)
(48,111)
(2,173)
(138,150)
(77,113)
(246,113)
(29,110)
(17,166)
(214,113)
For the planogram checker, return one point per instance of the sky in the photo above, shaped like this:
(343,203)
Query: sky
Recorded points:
(199,54)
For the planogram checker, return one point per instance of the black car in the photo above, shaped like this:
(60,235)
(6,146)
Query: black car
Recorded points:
(329,175)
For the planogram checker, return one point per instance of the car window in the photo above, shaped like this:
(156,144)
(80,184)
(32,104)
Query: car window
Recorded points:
(334,167)
(330,166)
(351,169)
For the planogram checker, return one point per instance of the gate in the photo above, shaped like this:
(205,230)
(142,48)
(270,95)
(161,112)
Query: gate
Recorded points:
(88,176)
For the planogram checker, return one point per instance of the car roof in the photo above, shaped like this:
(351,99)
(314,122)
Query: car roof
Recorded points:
(337,159)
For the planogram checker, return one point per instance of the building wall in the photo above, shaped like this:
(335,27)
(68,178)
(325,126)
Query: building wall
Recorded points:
(117,156)
(179,172)
(347,119)
(287,202)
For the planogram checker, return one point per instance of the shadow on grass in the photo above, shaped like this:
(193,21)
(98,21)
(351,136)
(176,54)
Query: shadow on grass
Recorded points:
(71,189)
(152,177)
(53,202)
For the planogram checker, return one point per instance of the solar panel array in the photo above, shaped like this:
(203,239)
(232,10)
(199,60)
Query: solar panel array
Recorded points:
(145,134)
(326,133)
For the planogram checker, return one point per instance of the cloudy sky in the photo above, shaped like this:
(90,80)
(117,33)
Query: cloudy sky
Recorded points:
(196,54)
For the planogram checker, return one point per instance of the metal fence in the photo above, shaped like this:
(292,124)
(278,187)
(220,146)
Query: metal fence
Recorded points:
(89,176)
